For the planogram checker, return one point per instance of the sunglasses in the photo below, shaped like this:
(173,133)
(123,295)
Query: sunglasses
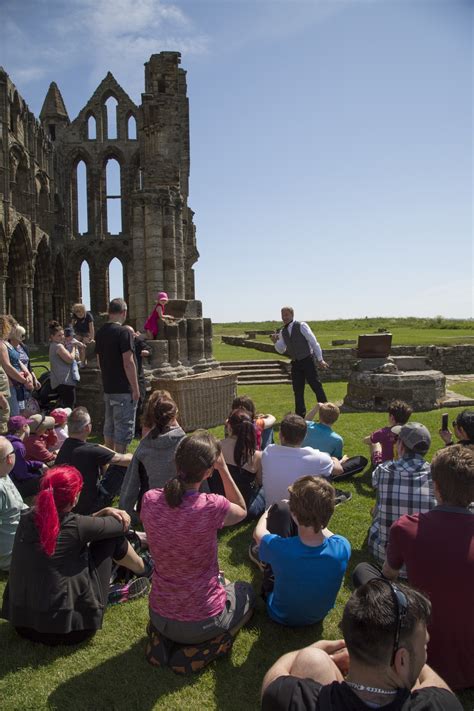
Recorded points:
(401,603)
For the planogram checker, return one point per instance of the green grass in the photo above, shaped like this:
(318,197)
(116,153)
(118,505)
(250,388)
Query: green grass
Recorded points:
(408,331)
(466,388)
(111,671)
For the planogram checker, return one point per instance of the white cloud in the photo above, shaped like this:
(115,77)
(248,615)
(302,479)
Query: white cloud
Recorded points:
(98,35)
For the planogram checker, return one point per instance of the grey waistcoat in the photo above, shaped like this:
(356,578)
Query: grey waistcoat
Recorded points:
(297,346)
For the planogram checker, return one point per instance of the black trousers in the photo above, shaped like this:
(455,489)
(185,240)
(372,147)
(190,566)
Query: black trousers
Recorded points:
(66,396)
(101,557)
(280,522)
(302,372)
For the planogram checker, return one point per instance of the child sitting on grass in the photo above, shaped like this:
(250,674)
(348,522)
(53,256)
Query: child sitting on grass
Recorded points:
(305,561)
(382,441)
(320,435)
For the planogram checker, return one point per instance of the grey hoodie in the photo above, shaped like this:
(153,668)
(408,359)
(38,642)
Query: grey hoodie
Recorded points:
(153,458)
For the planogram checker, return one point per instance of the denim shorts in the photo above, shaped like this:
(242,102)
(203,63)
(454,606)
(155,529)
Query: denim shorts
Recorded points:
(119,421)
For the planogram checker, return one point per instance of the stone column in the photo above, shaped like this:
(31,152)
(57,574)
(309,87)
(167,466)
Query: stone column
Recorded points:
(196,343)
(179,250)
(3,294)
(208,343)
(169,254)
(99,289)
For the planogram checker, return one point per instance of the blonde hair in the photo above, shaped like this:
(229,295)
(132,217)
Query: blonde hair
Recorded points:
(328,413)
(17,332)
(81,308)
(5,327)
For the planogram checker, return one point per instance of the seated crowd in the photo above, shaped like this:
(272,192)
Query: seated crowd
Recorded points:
(70,553)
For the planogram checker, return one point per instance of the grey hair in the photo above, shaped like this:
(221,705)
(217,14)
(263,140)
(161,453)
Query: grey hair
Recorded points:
(78,420)
(17,332)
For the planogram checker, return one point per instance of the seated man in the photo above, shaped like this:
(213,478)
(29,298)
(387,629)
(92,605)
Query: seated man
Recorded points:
(91,460)
(380,663)
(283,463)
(436,548)
(403,486)
(11,504)
(320,435)
(382,441)
(307,561)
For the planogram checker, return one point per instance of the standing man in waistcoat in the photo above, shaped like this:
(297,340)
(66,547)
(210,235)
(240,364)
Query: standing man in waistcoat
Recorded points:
(299,342)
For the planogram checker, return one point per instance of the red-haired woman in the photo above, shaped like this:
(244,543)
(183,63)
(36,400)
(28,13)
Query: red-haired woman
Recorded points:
(62,562)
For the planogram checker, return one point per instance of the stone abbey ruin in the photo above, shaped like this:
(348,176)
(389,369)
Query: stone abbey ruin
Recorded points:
(44,239)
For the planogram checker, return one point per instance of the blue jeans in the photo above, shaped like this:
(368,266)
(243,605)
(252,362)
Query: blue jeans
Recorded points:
(119,422)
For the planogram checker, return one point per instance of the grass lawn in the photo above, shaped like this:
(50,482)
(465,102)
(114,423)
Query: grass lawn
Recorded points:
(111,672)
(466,389)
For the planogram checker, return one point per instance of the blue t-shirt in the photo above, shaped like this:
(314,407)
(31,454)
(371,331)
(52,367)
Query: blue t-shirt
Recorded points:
(307,578)
(322,437)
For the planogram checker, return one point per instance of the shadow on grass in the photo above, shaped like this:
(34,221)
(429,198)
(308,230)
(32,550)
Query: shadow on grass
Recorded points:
(363,484)
(18,653)
(122,683)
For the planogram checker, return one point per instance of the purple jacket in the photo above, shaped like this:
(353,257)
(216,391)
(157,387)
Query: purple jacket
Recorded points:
(24,468)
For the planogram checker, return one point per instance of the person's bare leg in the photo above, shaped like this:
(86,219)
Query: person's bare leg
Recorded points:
(132,561)
(120,448)
(313,663)
(109,442)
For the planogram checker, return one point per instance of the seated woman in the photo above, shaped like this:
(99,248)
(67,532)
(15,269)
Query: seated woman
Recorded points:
(153,461)
(83,323)
(189,602)
(244,462)
(263,423)
(62,562)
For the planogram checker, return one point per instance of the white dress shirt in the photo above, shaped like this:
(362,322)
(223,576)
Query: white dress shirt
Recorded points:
(314,346)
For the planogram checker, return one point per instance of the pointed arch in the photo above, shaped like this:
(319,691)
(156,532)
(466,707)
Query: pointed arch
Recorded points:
(85,277)
(19,283)
(132,133)
(91,123)
(116,278)
(111,115)
(113,191)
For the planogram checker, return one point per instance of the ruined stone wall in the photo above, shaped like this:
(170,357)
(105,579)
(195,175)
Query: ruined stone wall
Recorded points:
(28,215)
(43,245)
(450,360)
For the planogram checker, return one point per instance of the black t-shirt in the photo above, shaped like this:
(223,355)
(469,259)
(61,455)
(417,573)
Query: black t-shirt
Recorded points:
(288,693)
(111,342)
(81,325)
(89,459)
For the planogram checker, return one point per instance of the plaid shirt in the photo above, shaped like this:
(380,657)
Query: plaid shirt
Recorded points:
(404,486)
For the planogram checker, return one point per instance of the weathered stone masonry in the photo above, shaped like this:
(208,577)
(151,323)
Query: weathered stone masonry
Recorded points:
(41,247)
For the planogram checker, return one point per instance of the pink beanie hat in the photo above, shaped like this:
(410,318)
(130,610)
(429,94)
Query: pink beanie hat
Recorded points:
(162,295)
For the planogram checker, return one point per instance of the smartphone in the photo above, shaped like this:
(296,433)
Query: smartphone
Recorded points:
(444,422)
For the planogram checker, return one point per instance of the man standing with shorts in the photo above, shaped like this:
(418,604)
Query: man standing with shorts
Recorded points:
(115,353)
(300,344)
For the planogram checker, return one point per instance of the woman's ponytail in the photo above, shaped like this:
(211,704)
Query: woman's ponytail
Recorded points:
(47,520)
(243,428)
(195,454)
(59,490)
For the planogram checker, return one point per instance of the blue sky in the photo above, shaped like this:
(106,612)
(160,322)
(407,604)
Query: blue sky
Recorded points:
(331,140)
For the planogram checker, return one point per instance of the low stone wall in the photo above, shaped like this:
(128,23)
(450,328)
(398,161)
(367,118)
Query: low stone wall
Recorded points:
(450,360)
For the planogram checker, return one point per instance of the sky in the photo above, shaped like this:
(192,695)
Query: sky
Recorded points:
(331,140)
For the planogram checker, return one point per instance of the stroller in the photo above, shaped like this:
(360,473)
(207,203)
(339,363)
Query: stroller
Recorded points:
(45,399)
